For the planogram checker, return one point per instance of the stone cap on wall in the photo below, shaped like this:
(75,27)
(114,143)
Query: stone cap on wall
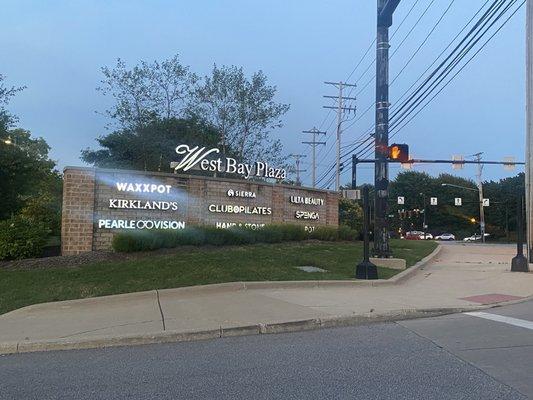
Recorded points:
(211,178)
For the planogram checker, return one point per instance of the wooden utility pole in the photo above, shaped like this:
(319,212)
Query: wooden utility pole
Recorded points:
(313,145)
(297,170)
(341,109)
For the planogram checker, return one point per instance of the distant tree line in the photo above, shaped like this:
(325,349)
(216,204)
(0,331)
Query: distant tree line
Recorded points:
(418,187)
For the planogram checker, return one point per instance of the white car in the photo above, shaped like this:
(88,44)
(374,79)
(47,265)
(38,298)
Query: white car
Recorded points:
(426,236)
(445,236)
(474,238)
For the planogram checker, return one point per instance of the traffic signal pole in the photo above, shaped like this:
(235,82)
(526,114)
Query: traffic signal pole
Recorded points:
(529,129)
(385,10)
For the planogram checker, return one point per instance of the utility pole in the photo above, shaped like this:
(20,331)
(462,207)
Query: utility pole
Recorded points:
(341,108)
(313,145)
(480,190)
(297,158)
(529,129)
(385,10)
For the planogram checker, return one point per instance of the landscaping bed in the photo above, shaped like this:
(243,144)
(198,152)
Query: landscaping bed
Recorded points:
(171,268)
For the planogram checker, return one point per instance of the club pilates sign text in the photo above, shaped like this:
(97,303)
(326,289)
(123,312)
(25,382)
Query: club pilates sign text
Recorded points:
(197,157)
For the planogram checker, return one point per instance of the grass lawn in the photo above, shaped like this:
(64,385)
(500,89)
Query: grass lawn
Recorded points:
(262,262)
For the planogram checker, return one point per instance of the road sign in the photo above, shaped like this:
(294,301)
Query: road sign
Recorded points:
(434,201)
(458,165)
(486,202)
(351,194)
(401,200)
(458,201)
(509,163)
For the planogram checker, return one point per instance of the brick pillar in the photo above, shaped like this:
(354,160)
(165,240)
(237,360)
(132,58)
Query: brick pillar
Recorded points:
(78,210)
(278,204)
(196,188)
(332,210)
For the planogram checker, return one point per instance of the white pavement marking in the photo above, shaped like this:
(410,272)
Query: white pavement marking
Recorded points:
(522,323)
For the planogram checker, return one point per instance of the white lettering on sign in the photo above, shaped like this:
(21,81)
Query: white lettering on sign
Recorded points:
(310,228)
(241,193)
(236,209)
(141,224)
(143,187)
(227,225)
(192,156)
(196,156)
(143,205)
(315,201)
(306,215)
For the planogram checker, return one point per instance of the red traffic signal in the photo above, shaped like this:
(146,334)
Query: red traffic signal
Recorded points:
(399,152)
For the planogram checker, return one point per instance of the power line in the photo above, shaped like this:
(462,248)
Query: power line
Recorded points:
(478,30)
(478,27)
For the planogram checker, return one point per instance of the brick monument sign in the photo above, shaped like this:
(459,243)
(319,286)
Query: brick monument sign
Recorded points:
(97,203)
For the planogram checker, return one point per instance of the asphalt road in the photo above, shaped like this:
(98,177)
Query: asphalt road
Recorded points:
(451,357)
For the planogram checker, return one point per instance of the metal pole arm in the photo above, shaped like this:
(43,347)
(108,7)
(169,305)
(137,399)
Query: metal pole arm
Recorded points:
(385,15)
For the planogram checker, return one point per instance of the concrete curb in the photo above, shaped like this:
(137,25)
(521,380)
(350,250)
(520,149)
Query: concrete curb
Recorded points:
(246,330)
(224,332)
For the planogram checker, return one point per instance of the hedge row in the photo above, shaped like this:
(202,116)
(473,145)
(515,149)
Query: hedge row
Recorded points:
(199,236)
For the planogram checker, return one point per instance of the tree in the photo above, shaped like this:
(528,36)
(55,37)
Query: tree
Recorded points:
(244,112)
(26,170)
(150,147)
(6,93)
(147,92)
(416,187)
(350,214)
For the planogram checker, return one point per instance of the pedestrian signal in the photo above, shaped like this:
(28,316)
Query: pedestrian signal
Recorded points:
(399,152)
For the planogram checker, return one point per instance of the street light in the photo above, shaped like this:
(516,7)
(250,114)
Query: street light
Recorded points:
(481,211)
(8,141)
(460,187)
(424,223)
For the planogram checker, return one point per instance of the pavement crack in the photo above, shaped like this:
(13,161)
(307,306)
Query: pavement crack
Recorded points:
(496,347)
(160,310)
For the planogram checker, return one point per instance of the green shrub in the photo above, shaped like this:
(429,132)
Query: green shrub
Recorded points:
(326,233)
(129,241)
(21,238)
(347,233)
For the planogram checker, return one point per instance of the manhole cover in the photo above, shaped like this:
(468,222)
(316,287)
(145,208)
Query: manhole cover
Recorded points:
(308,268)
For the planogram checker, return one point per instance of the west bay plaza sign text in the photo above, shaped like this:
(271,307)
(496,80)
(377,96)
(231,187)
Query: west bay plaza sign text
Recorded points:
(198,157)
(97,203)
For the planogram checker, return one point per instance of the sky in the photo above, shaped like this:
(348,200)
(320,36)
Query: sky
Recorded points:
(57,48)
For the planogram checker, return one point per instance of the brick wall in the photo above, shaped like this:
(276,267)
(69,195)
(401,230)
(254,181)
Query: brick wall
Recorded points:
(78,210)
(89,193)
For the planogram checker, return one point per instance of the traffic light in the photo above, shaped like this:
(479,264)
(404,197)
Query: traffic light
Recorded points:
(399,152)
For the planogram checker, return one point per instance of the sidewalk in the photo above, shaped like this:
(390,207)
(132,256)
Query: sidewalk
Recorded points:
(459,277)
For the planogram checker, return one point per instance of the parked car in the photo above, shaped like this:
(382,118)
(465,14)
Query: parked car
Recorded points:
(445,236)
(475,238)
(418,235)
(414,235)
